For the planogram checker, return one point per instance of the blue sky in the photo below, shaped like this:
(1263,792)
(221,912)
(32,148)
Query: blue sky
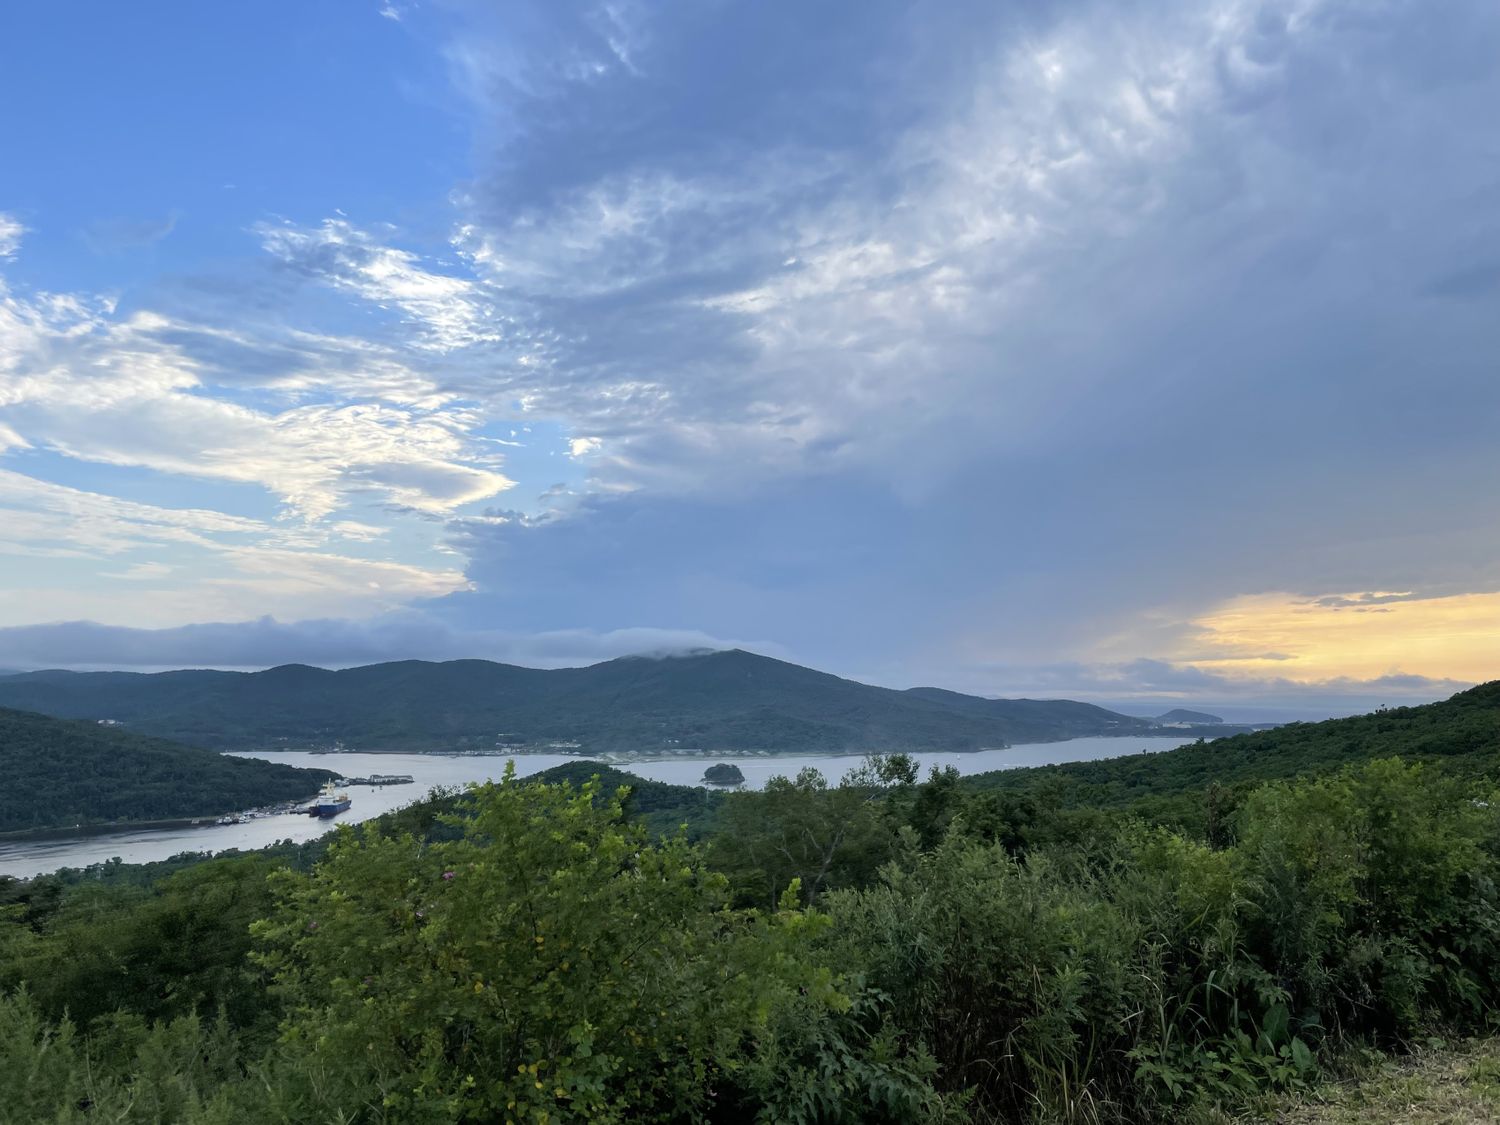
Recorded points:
(1131,351)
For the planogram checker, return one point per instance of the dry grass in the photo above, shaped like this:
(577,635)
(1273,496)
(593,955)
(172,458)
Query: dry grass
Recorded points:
(1456,1086)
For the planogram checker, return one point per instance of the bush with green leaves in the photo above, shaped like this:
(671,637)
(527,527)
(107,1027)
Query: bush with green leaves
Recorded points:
(553,964)
(1115,980)
(1375,896)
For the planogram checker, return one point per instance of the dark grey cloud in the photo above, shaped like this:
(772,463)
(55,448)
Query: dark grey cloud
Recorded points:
(1362,601)
(996,358)
(1475,281)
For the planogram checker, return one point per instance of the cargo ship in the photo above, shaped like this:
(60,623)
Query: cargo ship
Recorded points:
(330,802)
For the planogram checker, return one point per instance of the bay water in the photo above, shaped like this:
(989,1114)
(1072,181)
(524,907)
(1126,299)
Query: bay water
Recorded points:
(33,856)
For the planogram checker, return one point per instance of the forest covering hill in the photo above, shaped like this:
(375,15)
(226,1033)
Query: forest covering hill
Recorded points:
(1460,734)
(57,773)
(715,701)
(1183,715)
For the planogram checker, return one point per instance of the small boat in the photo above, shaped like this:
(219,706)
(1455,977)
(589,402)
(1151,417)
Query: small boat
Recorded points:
(331,802)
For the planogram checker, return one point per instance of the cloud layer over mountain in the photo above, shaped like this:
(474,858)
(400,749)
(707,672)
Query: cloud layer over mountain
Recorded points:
(1086,348)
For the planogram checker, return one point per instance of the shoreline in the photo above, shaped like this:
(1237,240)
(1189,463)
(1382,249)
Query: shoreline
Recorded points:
(619,757)
(116,827)
(105,828)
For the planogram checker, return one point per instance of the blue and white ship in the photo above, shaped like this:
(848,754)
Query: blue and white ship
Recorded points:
(330,802)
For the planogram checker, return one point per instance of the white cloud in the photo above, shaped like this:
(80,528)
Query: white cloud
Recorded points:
(450,312)
(222,566)
(78,521)
(11,231)
(141,572)
(230,566)
(121,392)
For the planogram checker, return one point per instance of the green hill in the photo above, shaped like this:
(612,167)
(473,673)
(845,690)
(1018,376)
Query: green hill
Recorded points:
(1461,733)
(713,701)
(58,773)
(1183,715)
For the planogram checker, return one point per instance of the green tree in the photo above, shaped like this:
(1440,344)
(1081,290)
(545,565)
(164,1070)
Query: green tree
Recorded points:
(804,830)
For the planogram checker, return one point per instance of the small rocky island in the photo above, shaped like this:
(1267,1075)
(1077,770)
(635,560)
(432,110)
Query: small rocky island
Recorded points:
(723,774)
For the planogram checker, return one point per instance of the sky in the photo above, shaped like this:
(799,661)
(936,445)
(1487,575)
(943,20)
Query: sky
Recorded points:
(1144,351)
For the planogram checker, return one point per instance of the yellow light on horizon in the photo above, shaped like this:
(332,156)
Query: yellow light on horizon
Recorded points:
(1356,635)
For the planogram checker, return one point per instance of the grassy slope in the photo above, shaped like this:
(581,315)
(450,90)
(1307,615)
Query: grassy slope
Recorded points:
(1454,1086)
(59,773)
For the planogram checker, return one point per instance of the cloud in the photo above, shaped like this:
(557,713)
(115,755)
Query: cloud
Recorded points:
(332,643)
(129,391)
(141,572)
(1074,326)
(1452,636)
(1469,282)
(11,232)
(994,269)
(922,344)
(117,236)
(450,312)
(1361,601)
(64,543)
(1145,686)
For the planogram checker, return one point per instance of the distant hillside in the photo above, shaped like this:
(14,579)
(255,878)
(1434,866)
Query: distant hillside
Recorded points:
(1461,734)
(713,701)
(662,806)
(1180,715)
(55,773)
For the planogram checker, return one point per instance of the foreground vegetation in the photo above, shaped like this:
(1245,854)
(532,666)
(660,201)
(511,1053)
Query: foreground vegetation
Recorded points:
(57,773)
(881,949)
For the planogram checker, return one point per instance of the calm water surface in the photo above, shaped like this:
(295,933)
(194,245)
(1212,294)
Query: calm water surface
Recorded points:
(32,857)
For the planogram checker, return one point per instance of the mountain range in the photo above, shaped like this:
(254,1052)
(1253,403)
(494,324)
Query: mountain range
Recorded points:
(730,700)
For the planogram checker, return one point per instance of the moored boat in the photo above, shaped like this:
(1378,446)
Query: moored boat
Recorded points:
(330,802)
